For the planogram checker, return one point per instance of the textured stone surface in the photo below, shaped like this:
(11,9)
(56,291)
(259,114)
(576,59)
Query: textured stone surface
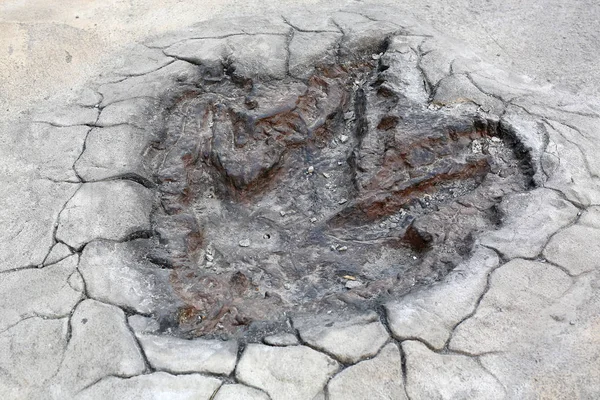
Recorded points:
(268,369)
(348,340)
(140,60)
(532,137)
(378,378)
(459,89)
(536,327)
(362,33)
(113,274)
(590,217)
(59,252)
(155,386)
(105,210)
(223,27)
(261,56)
(176,355)
(135,111)
(431,313)
(235,392)
(529,219)
(403,73)
(572,177)
(311,48)
(38,292)
(33,341)
(538,330)
(53,150)
(101,345)
(208,53)
(70,115)
(577,249)
(434,376)
(282,339)
(28,213)
(518,305)
(258,56)
(151,85)
(114,152)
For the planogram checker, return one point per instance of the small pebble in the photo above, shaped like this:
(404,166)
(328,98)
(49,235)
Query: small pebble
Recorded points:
(287,285)
(342,248)
(342,201)
(343,139)
(340,163)
(326,175)
(393,225)
(313,220)
(353,284)
(282,213)
(209,257)
(244,243)
(310,169)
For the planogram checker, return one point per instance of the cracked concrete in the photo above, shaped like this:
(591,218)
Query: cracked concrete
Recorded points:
(81,292)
